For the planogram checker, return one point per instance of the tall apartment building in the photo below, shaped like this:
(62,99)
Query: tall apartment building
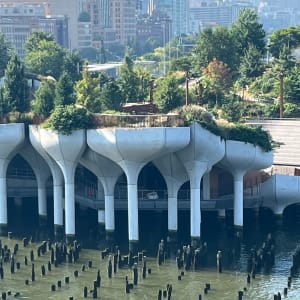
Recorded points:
(215,14)
(176,10)
(112,20)
(69,8)
(18,20)
(123,18)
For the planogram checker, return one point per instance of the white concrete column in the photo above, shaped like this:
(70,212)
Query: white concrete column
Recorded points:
(58,205)
(42,204)
(3,202)
(101,216)
(172,214)
(109,213)
(238,199)
(3,197)
(132,170)
(196,170)
(206,186)
(70,209)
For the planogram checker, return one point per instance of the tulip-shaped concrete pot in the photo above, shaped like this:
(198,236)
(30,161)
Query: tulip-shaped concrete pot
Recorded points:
(108,173)
(204,150)
(12,137)
(241,157)
(66,150)
(131,149)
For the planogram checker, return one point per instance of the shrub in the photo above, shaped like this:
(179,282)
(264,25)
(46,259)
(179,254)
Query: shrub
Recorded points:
(66,119)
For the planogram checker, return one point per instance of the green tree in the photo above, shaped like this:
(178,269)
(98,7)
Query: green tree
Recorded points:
(73,64)
(64,91)
(88,92)
(47,58)
(216,44)
(111,95)
(232,109)
(289,37)
(16,90)
(4,53)
(168,94)
(128,80)
(247,30)
(217,78)
(43,102)
(32,42)
(143,80)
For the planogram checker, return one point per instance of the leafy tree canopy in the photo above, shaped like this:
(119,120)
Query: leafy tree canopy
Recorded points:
(5,50)
(88,92)
(47,58)
(16,90)
(248,30)
(289,37)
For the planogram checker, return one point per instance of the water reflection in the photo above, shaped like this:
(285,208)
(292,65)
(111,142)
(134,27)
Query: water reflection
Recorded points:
(216,233)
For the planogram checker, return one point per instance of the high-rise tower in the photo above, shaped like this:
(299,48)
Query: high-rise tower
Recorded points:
(176,10)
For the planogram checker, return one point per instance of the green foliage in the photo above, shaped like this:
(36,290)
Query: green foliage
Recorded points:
(232,109)
(66,119)
(290,110)
(217,44)
(47,58)
(251,65)
(129,81)
(64,90)
(247,30)
(16,90)
(217,78)
(289,37)
(32,42)
(89,93)
(195,113)
(73,64)
(253,135)
(168,95)
(43,102)
(111,96)
(5,50)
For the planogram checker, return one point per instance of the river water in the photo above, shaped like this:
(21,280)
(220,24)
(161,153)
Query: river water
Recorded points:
(216,233)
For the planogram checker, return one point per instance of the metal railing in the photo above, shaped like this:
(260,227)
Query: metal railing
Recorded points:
(137,121)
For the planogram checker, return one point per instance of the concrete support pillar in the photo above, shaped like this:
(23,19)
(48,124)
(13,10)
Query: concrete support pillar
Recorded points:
(70,211)
(238,199)
(109,188)
(109,217)
(42,205)
(101,221)
(3,198)
(206,186)
(172,215)
(132,170)
(58,207)
(196,170)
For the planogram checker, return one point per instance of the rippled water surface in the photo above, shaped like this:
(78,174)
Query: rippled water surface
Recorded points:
(223,286)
